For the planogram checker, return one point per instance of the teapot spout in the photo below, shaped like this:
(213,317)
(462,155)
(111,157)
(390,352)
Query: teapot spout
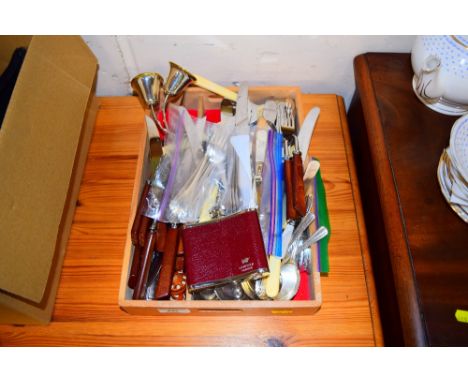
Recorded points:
(428,85)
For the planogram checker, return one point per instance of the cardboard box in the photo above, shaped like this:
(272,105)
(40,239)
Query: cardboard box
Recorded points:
(201,307)
(44,141)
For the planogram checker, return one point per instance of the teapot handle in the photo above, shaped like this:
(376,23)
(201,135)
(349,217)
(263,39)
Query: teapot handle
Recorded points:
(428,85)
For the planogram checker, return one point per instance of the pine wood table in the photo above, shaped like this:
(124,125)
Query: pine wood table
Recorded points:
(87,311)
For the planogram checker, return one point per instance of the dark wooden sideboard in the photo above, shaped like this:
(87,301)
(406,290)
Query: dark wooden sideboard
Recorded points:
(419,246)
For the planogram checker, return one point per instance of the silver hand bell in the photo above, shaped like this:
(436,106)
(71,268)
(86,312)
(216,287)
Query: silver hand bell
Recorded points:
(148,86)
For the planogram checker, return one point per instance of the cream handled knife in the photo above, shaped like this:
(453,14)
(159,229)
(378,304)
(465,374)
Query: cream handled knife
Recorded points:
(260,150)
(272,282)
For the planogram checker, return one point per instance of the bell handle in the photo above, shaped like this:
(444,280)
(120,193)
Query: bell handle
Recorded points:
(224,92)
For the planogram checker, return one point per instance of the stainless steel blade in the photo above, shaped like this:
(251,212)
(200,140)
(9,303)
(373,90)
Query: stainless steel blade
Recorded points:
(306,131)
(155,145)
(242,111)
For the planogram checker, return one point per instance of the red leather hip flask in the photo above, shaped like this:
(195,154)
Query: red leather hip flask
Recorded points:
(223,250)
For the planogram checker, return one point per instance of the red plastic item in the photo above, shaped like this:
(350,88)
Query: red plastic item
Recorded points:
(213,116)
(303,293)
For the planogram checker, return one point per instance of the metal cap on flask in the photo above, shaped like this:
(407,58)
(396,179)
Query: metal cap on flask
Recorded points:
(148,86)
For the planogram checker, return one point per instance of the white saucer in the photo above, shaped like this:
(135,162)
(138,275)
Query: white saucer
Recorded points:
(458,149)
(445,185)
(442,106)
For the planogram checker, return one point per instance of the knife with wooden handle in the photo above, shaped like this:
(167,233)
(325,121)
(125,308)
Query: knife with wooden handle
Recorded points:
(291,213)
(134,270)
(147,255)
(139,213)
(180,246)
(145,223)
(161,237)
(299,200)
(141,222)
(163,289)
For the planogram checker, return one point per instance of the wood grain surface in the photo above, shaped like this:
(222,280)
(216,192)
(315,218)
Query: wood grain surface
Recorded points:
(419,245)
(87,312)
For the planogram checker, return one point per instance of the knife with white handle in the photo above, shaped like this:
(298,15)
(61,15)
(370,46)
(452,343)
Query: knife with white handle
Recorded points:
(241,144)
(306,131)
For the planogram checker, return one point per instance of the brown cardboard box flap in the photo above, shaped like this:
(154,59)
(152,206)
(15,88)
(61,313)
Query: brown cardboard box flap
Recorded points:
(38,145)
(8,44)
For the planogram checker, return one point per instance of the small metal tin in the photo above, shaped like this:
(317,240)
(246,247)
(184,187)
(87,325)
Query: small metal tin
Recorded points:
(260,289)
(248,286)
(254,289)
(231,291)
(204,294)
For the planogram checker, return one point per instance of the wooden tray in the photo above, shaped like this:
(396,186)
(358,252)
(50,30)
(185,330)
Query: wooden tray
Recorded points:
(201,307)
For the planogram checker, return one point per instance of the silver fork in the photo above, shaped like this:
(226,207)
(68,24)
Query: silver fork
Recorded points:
(288,122)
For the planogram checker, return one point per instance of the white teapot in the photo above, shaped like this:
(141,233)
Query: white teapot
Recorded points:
(440,65)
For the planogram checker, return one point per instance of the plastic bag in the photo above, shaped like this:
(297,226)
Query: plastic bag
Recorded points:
(278,142)
(268,196)
(204,192)
(177,163)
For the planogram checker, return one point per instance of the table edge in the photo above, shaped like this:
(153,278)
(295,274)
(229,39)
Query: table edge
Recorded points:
(394,226)
(363,239)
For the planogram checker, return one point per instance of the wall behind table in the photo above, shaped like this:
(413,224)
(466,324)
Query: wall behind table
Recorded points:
(318,64)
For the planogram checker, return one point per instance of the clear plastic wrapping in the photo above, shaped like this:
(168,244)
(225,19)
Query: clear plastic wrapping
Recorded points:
(271,201)
(279,192)
(265,207)
(177,163)
(195,180)
(206,185)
